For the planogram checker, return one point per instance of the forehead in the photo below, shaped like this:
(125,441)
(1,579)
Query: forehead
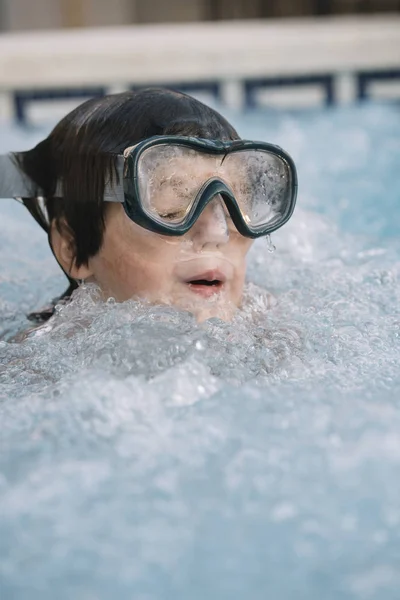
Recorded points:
(180,162)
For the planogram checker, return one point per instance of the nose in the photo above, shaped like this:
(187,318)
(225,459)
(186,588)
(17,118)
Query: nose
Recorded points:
(211,228)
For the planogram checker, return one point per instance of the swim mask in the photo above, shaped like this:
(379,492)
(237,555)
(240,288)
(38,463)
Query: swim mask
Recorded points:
(165,182)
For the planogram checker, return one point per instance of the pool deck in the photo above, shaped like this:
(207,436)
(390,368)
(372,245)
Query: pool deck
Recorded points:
(228,52)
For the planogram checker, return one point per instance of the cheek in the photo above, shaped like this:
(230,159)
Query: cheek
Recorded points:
(132,262)
(241,247)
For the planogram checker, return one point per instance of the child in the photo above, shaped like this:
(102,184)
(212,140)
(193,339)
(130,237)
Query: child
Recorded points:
(152,195)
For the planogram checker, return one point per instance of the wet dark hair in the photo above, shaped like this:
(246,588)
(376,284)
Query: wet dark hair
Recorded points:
(81,152)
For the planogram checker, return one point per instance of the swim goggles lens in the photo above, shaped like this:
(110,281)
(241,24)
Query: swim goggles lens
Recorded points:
(170,181)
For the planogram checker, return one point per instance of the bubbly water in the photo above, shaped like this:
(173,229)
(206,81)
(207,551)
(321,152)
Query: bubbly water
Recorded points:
(146,457)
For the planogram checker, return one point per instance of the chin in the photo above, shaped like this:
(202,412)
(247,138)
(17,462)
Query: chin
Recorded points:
(225,314)
(203,308)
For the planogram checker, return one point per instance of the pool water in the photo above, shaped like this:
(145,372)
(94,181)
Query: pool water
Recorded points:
(145,456)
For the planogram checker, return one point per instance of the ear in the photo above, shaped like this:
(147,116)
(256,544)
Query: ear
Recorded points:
(63,245)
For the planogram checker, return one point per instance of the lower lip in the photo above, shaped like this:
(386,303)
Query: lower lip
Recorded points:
(206,291)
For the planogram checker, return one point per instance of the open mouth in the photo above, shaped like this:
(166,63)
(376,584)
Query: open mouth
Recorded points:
(207,284)
(214,282)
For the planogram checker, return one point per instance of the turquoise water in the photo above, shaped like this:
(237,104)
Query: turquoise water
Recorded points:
(145,456)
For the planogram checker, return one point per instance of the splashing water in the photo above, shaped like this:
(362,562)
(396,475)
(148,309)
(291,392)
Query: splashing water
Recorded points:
(145,456)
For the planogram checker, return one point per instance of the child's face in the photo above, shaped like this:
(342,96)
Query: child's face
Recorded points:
(136,263)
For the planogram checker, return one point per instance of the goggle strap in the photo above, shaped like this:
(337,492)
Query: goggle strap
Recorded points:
(13,182)
(112,192)
(115,192)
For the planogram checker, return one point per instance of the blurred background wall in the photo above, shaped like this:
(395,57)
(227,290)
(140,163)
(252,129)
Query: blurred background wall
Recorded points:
(17,15)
